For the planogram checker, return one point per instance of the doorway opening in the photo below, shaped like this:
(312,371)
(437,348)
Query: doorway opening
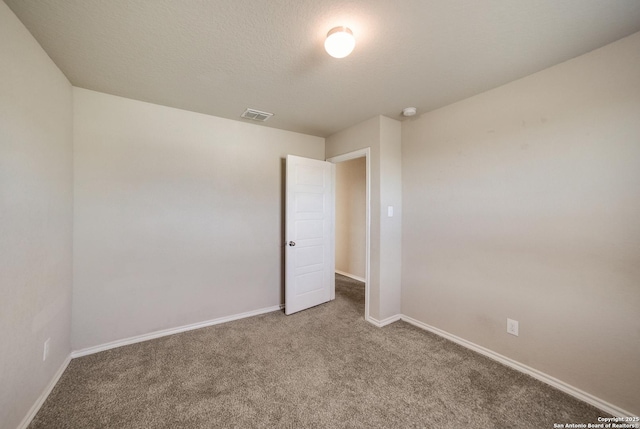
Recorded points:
(353,239)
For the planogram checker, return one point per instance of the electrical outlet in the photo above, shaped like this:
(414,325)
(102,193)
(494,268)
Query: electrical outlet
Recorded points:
(45,353)
(512,327)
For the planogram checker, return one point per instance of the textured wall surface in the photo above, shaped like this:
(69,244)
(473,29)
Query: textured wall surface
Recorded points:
(35,218)
(523,202)
(360,136)
(382,135)
(390,226)
(178,216)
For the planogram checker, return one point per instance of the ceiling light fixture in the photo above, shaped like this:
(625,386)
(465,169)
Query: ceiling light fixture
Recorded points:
(409,111)
(340,42)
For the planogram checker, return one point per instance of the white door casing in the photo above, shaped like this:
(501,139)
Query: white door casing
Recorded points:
(366,154)
(309,236)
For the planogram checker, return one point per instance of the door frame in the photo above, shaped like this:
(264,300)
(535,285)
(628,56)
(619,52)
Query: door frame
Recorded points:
(366,153)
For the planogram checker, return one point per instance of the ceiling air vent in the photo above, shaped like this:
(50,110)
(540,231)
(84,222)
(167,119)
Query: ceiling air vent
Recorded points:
(256,115)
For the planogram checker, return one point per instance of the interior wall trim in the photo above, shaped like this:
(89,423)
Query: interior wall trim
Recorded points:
(351,276)
(384,322)
(44,395)
(366,153)
(538,375)
(171,331)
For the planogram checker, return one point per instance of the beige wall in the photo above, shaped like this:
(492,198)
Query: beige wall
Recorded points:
(390,227)
(382,136)
(178,216)
(35,218)
(351,212)
(524,202)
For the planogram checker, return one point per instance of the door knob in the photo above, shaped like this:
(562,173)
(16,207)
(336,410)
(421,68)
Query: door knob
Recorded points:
(292,243)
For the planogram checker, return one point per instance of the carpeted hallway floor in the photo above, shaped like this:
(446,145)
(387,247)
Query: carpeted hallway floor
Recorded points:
(322,368)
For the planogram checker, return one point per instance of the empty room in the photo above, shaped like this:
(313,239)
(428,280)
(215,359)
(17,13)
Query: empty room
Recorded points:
(319,214)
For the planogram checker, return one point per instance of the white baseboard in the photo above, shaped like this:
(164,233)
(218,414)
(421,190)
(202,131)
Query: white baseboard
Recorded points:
(539,375)
(45,394)
(360,279)
(171,331)
(384,322)
(545,378)
(132,340)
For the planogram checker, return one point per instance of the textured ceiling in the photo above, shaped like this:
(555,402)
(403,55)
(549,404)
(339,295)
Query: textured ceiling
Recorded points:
(220,57)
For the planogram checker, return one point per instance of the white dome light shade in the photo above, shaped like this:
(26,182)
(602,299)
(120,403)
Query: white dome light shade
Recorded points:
(340,42)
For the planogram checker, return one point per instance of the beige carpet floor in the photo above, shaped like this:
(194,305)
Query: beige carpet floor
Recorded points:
(321,368)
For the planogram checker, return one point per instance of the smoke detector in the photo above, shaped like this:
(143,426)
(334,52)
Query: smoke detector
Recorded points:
(409,111)
(256,115)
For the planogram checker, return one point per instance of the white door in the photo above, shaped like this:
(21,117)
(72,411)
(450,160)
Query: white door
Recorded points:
(309,246)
